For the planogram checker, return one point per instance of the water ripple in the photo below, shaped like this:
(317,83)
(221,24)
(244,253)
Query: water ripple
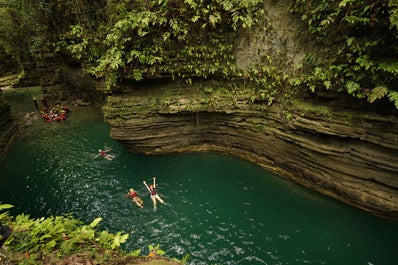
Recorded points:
(219,209)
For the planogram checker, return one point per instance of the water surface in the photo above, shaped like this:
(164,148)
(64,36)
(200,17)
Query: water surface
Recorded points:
(220,210)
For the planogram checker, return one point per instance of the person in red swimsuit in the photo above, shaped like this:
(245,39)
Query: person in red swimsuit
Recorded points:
(105,154)
(134,197)
(152,190)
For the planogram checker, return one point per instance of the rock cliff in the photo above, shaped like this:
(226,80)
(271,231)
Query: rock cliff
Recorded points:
(351,156)
(8,127)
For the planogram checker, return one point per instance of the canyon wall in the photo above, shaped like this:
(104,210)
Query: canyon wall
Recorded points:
(330,146)
(8,128)
(351,156)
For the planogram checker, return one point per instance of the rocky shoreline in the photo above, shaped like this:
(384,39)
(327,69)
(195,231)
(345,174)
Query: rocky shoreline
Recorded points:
(348,155)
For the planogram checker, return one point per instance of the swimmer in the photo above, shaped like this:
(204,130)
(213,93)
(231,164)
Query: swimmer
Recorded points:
(104,154)
(134,197)
(152,190)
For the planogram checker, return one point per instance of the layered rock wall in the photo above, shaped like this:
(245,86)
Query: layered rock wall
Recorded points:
(353,158)
(8,128)
(351,155)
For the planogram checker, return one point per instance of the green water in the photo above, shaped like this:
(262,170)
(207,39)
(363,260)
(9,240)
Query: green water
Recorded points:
(220,210)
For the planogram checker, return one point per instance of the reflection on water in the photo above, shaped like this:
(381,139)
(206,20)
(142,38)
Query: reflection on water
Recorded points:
(220,210)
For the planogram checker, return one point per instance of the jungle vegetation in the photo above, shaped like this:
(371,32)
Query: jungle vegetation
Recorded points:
(190,39)
(64,239)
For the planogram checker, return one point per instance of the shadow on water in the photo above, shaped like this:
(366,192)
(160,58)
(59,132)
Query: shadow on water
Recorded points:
(220,210)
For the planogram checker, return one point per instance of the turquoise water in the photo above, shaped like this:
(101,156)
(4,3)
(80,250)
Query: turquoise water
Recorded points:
(220,210)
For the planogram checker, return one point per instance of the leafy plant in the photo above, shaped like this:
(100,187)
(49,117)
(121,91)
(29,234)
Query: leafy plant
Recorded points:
(145,39)
(377,93)
(155,251)
(393,96)
(362,34)
(64,235)
(3,207)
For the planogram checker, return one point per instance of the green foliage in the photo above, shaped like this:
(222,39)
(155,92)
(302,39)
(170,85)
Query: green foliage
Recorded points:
(363,35)
(194,39)
(137,40)
(31,31)
(63,235)
(377,93)
(389,67)
(155,251)
(151,39)
(353,88)
(393,4)
(4,215)
(5,206)
(393,97)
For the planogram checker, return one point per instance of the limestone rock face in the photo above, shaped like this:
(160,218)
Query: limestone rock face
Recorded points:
(349,156)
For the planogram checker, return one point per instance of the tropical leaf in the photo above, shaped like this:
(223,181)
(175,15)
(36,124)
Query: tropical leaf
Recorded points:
(352,87)
(377,93)
(96,222)
(327,84)
(393,97)
(393,5)
(389,67)
(5,206)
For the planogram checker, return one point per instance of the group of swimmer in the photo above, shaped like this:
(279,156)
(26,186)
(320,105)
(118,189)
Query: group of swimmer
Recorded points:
(132,193)
(54,114)
(152,191)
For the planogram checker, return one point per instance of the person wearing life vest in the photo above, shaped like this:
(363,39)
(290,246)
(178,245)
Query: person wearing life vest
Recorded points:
(152,190)
(134,197)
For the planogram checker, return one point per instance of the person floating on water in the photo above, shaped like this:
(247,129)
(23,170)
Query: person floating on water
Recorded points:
(134,197)
(104,154)
(152,190)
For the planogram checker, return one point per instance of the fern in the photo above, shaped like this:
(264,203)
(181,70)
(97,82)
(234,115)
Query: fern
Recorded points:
(352,87)
(389,67)
(393,97)
(393,4)
(377,93)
